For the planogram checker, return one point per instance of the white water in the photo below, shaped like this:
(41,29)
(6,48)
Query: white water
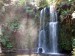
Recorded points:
(53,14)
(41,43)
(53,30)
(53,37)
(42,33)
(53,33)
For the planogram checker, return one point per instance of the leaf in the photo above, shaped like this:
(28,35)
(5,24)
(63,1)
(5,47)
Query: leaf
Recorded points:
(9,45)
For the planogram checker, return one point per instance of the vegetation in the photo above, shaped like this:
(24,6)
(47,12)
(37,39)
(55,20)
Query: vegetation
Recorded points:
(7,33)
(21,2)
(67,24)
(65,8)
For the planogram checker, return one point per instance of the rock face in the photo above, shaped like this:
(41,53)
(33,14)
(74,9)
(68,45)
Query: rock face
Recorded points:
(25,36)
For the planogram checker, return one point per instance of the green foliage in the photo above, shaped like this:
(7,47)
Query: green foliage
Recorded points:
(66,29)
(64,12)
(65,39)
(7,33)
(73,43)
(21,2)
(43,4)
(29,9)
(73,35)
(14,25)
(9,45)
(5,38)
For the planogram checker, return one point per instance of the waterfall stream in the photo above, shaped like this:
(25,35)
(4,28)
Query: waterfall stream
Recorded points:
(53,32)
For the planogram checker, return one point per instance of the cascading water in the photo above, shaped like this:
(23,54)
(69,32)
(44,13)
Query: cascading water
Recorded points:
(48,34)
(42,33)
(53,37)
(53,30)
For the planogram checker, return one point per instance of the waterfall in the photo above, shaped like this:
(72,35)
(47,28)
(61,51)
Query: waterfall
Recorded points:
(42,33)
(52,47)
(53,14)
(53,30)
(53,37)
